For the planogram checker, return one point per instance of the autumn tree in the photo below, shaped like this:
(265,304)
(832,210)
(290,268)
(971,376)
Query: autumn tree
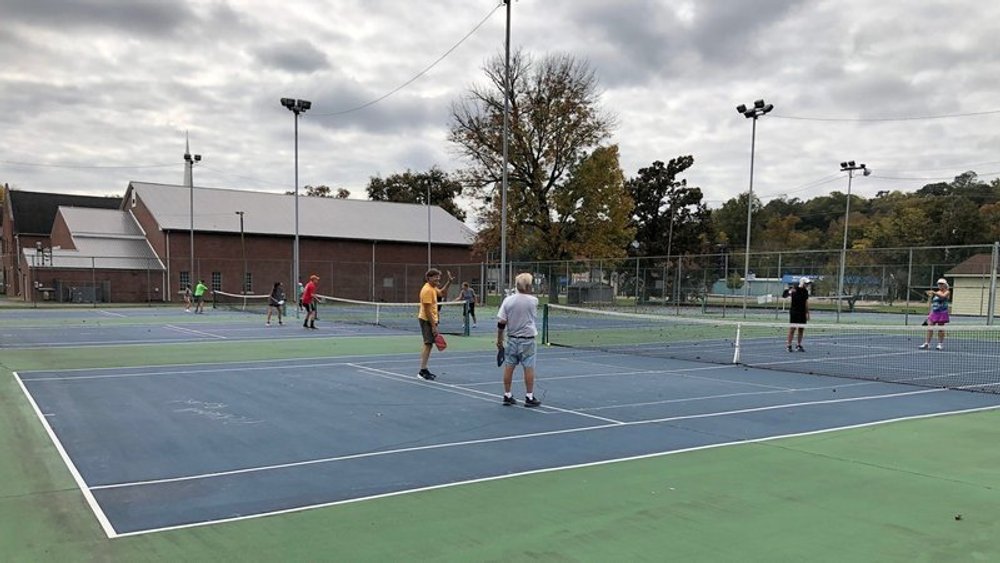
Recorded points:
(415,187)
(557,164)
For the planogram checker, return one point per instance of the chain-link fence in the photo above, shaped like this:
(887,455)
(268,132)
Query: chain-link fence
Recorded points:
(894,279)
(884,279)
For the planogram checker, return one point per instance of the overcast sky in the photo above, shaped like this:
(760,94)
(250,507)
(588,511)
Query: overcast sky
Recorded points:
(114,85)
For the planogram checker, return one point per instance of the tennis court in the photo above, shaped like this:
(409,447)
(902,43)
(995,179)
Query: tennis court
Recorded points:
(334,426)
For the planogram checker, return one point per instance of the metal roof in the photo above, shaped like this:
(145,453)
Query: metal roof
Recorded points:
(320,217)
(104,239)
(34,212)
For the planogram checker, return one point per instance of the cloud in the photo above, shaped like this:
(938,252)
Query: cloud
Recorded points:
(297,56)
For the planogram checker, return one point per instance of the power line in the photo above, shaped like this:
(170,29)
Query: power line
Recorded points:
(418,75)
(878,119)
(81,166)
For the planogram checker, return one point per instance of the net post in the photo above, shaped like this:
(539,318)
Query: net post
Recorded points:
(466,325)
(545,324)
(736,347)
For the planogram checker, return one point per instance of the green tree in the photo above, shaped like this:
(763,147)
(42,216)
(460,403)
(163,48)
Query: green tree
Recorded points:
(414,187)
(669,217)
(323,191)
(556,124)
(730,221)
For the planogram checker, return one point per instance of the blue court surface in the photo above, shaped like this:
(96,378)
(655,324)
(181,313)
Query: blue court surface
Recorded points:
(164,447)
(104,328)
(56,328)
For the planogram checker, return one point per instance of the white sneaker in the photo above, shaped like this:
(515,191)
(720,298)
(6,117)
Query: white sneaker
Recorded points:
(940,347)
(267,324)
(924,346)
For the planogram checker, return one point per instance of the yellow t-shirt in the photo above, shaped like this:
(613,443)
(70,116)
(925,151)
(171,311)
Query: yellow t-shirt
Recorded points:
(428,299)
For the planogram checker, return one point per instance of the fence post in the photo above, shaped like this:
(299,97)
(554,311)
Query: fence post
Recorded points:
(909,280)
(637,281)
(994,260)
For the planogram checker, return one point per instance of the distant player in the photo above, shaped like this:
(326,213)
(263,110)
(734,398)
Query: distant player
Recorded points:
(309,302)
(798,312)
(199,296)
(468,295)
(938,316)
(275,302)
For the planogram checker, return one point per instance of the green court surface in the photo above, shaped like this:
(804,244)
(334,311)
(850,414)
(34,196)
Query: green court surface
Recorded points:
(889,492)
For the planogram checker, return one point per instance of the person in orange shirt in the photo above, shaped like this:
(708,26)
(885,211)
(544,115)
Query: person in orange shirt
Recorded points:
(309,302)
(427,316)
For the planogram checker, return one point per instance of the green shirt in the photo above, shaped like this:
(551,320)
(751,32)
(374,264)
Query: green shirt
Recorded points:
(200,289)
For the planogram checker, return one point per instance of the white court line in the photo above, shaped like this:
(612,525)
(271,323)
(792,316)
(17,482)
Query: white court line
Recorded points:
(88,495)
(196,332)
(106,344)
(481,395)
(259,469)
(730,395)
(110,314)
(554,469)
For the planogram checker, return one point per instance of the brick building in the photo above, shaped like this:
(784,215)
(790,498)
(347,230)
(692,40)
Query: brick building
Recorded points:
(28,219)
(242,242)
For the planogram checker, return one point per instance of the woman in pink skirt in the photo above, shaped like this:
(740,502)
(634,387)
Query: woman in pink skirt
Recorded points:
(940,298)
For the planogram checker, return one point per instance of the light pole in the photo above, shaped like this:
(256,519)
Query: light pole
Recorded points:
(189,160)
(296,107)
(428,225)
(848,167)
(243,246)
(759,108)
(507,93)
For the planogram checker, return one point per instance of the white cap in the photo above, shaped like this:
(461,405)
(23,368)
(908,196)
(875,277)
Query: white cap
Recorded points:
(943,281)
(803,281)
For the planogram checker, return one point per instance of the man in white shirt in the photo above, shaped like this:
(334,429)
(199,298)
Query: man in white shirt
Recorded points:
(517,317)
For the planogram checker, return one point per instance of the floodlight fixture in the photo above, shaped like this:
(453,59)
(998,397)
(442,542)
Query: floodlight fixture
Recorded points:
(759,108)
(296,106)
(850,166)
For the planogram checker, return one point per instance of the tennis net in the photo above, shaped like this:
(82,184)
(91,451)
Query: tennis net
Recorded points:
(237,302)
(969,358)
(453,316)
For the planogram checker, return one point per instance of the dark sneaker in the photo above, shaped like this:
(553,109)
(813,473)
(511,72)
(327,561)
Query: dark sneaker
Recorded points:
(508,401)
(789,348)
(799,348)
(532,402)
(426,375)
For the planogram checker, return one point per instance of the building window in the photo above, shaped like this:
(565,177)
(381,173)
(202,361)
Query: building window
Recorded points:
(248,283)
(185,280)
(216,281)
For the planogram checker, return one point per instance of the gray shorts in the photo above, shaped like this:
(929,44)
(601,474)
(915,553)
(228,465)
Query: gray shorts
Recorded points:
(427,331)
(520,351)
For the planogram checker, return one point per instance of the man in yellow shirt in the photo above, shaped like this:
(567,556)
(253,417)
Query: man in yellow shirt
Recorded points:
(428,319)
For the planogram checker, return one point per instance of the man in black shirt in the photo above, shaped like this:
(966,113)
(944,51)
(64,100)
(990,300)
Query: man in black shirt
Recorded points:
(798,311)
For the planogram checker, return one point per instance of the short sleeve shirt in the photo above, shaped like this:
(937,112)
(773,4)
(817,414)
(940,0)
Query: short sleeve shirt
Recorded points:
(520,311)
(428,300)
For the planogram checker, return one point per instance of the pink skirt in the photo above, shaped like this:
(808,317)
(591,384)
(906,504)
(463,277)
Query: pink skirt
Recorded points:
(938,318)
